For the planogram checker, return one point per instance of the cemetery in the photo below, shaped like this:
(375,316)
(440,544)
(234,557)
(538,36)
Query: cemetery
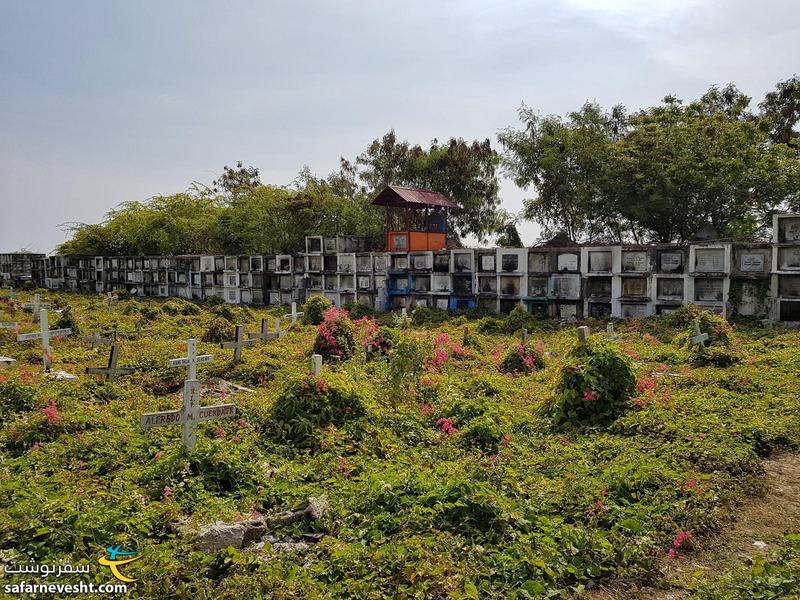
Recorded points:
(309,450)
(755,279)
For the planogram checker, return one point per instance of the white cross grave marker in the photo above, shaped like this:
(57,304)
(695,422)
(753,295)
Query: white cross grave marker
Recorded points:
(190,413)
(112,370)
(9,325)
(316,364)
(583,334)
(699,338)
(44,334)
(36,306)
(265,334)
(96,340)
(238,343)
(610,334)
(294,314)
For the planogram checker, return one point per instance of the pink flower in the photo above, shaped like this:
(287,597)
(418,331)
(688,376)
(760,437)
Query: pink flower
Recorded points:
(157,455)
(219,433)
(237,518)
(255,515)
(683,536)
(426,409)
(446,426)
(51,412)
(589,396)
(167,493)
(690,484)
(439,357)
(672,553)
(442,339)
(645,385)
(261,380)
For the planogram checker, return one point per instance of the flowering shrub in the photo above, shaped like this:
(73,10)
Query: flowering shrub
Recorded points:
(380,343)
(308,403)
(314,310)
(335,335)
(595,387)
(523,359)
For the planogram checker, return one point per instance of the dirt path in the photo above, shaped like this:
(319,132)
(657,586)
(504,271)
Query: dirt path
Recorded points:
(763,520)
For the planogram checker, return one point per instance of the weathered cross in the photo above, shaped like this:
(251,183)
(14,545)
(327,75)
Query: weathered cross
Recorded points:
(96,340)
(9,325)
(610,334)
(294,314)
(190,413)
(238,343)
(316,364)
(112,370)
(36,306)
(583,334)
(265,334)
(44,334)
(699,338)
(110,300)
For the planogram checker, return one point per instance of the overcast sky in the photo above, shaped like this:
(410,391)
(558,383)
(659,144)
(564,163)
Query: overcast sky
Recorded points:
(107,101)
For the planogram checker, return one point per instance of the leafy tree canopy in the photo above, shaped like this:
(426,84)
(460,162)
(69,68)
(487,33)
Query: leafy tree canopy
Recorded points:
(658,174)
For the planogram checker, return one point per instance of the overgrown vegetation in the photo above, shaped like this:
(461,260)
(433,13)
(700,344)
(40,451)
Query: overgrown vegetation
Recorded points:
(445,477)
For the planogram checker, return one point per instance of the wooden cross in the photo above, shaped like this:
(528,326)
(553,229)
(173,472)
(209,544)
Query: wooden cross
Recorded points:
(294,314)
(190,413)
(111,371)
(96,340)
(44,334)
(110,300)
(583,334)
(191,360)
(265,334)
(36,306)
(610,335)
(699,338)
(316,364)
(238,343)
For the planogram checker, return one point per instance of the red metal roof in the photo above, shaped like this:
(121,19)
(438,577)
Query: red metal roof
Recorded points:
(409,197)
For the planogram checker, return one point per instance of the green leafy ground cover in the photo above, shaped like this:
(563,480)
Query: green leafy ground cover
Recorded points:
(446,478)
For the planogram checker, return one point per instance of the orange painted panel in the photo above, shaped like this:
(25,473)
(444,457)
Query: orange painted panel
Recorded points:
(415,241)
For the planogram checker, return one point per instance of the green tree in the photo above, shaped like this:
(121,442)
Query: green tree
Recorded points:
(707,162)
(237,181)
(566,163)
(781,107)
